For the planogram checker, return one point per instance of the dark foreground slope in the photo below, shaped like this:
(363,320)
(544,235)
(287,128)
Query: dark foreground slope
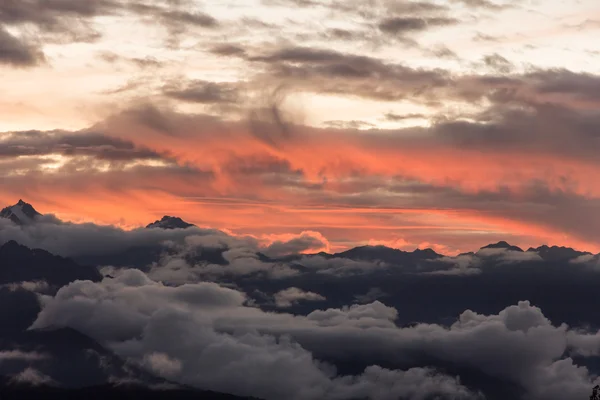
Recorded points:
(10,391)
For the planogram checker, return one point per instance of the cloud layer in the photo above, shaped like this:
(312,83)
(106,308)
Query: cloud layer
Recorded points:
(224,344)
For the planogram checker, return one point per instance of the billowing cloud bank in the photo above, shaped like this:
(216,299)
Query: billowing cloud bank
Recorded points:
(210,336)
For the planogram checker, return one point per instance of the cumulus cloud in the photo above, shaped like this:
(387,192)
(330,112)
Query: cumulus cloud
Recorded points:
(305,242)
(290,296)
(223,344)
(242,361)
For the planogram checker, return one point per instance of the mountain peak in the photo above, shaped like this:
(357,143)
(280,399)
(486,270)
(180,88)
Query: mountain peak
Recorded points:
(556,253)
(21,213)
(426,253)
(502,245)
(169,222)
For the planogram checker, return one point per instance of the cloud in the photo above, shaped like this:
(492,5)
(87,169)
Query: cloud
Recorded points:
(335,72)
(203,92)
(8,355)
(290,296)
(30,286)
(245,362)
(16,52)
(340,266)
(498,63)
(509,256)
(219,338)
(403,25)
(31,376)
(487,4)
(162,365)
(401,117)
(240,257)
(306,242)
(97,145)
(68,239)
(455,167)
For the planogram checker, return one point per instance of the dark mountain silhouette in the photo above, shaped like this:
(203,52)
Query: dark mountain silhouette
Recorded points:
(89,363)
(21,213)
(556,253)
(502,245)
(387,254)
(140,257)
(19,263)
(11,391)
(89,370)
(168,222)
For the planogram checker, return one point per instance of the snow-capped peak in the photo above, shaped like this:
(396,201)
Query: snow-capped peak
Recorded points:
(21,213)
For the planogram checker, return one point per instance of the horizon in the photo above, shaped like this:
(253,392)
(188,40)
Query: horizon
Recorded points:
(308,251)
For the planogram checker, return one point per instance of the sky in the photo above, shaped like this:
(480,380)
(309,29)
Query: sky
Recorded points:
(447,124)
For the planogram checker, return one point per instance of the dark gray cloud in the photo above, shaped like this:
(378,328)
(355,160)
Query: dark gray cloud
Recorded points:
(402,117)
(498,63)
(141,62)
(17,52)
(177,18)
(203,92)
(227,49)
(96,145)
(403,25)
(60,21)
(49,14)
(330,71)
(488,4)
(354,124)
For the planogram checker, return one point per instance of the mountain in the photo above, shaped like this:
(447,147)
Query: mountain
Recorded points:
(21,213)
(556,253)
(92,371)
(21,264)
(168,222)
(387,254)
(502,245)
(10,391)
(89,363)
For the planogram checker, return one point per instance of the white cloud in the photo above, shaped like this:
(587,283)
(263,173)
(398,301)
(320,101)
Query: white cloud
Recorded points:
(289,297)
(206,336)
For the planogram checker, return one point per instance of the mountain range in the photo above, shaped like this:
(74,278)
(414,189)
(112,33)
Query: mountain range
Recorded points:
(23,213)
